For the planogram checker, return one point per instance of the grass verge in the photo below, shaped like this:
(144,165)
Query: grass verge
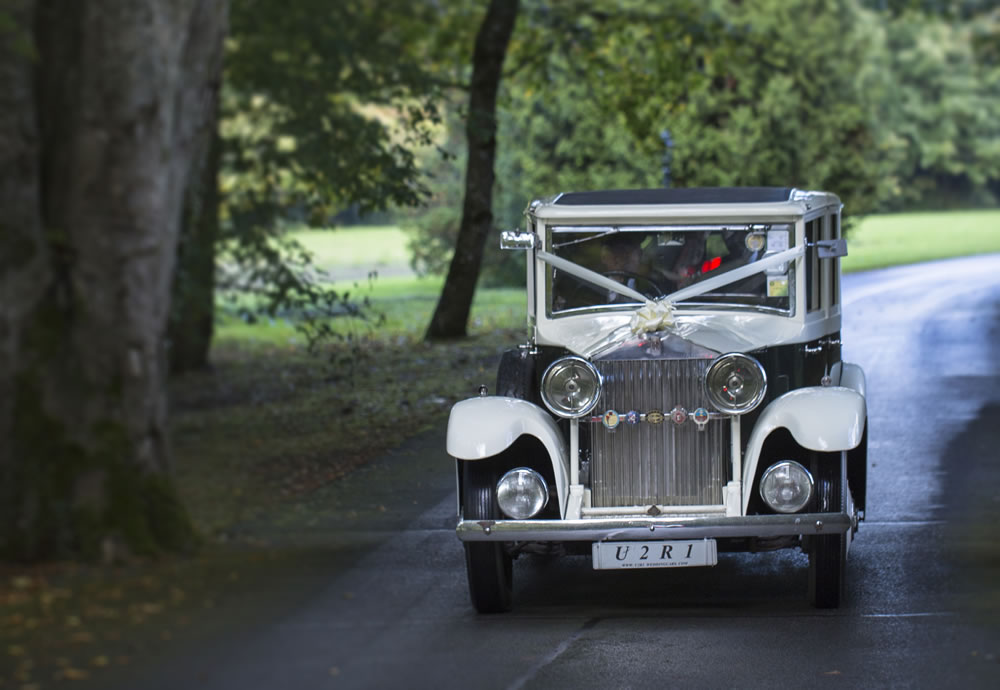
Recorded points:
(907,238)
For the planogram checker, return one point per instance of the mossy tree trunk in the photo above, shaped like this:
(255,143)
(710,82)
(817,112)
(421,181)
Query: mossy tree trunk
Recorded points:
(192,310)
(452,312)
(105,117)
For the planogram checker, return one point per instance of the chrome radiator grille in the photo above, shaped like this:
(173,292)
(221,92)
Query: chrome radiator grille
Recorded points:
(663,464)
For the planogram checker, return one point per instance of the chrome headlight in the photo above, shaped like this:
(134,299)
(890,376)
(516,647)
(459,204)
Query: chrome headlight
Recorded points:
(571,387)
(786,486)
(735,383)
(522,493)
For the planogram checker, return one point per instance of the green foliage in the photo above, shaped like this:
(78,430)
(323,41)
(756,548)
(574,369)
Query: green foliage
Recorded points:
(577,80)
(15,29)
(271,277)
(322,105)
(313,88)
(786,101)
(942,107)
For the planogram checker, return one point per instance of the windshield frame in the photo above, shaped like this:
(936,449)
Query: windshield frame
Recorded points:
(552,243)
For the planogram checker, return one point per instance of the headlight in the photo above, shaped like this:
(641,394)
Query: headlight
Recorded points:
(735,383)
(571,387)
(522,493)
(786,487)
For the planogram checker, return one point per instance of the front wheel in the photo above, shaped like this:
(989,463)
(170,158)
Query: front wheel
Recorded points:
(488,564)
(828,554)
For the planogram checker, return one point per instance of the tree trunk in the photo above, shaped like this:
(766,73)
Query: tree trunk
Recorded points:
(104,128)
(192,308)
(452,312)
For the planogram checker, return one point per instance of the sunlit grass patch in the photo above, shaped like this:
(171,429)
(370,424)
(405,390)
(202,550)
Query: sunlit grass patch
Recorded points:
(905,238)
(394,307)
(368,247)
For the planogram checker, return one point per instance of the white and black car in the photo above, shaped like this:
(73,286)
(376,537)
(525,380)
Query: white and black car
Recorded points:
(681,392)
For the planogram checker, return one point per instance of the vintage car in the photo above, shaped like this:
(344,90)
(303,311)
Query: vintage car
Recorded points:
(681,392)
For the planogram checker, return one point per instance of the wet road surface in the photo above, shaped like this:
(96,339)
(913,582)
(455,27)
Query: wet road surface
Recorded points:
(384,602)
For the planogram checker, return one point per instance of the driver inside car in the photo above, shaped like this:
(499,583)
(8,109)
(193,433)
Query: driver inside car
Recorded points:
(621,260)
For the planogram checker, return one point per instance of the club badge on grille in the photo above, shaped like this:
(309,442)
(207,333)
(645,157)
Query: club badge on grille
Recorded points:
(678,415)
(611,420)
(700,417)
(654,417)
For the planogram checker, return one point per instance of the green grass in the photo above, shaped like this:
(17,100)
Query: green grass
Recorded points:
(363,247)
(907,238)
(399,307)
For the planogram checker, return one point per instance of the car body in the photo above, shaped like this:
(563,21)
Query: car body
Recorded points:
(681,392)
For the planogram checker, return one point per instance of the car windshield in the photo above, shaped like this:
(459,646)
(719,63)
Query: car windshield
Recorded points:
(658,261)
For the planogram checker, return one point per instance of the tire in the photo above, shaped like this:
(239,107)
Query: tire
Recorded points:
(489,567)
(828,554)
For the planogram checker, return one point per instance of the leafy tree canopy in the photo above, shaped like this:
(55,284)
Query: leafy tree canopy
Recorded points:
(323,104)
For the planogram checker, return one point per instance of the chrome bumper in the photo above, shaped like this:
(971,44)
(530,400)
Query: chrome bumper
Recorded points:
(653,528)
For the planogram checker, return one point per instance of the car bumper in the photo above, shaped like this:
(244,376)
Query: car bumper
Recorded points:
(653,528)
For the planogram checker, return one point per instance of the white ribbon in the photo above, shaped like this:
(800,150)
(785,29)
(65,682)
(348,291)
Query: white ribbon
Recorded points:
(592,277)
(657,315)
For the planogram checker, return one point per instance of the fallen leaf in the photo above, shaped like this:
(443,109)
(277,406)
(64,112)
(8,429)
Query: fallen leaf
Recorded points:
(99,661)
(832,673)
(15,650)
(334,671)
(75,674)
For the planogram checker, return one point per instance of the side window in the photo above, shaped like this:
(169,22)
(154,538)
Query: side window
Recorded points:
(834,263)
(812,265)
(826,266)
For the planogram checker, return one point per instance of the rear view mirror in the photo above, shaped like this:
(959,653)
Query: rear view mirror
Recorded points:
(515,239)
(831,249)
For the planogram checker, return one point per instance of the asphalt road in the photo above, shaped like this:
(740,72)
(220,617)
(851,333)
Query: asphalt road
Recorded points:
(383,601)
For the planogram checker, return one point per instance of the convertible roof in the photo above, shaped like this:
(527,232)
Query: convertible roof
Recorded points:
(680,195)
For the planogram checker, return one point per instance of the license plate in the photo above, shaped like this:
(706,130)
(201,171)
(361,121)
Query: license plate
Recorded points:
(610,555)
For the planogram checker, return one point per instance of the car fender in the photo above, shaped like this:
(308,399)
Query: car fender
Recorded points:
(483,427)
(826,419)
(852,376)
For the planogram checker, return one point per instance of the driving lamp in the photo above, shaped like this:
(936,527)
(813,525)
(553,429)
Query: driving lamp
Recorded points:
(786,486)
(735,383)
(571,387)
(522,493)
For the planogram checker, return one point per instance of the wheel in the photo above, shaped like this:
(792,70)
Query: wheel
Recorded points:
(828,554)
(489,567)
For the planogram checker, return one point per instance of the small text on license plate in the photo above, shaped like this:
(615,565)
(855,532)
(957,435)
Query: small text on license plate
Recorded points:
(609,555)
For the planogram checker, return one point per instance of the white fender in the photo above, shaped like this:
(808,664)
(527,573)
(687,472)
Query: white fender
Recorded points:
(826,419)
(852,376)
(483,427)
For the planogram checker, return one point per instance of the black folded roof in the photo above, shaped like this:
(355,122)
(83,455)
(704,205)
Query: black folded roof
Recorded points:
(679,195)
